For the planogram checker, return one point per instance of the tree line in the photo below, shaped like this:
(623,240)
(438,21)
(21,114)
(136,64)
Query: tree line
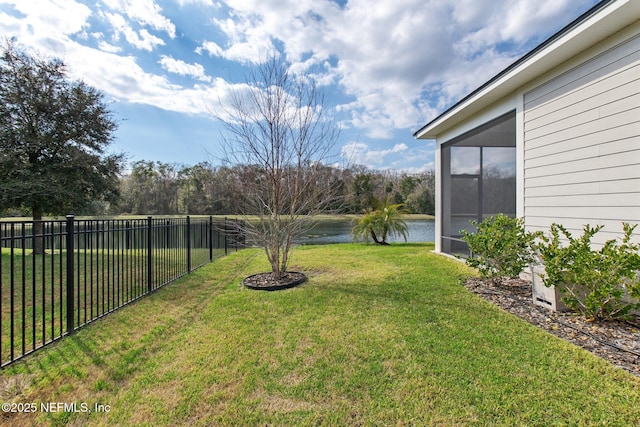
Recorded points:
(158,188)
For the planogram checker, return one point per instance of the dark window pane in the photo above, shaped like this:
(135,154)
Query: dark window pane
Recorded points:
(498,181)
(462,222)
(464,196)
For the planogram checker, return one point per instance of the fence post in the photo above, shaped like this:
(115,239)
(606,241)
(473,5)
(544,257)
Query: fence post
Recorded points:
(128,235)
(188,244)
(12,267)
(149,254)
(225,235)
(70,273)
(210,238)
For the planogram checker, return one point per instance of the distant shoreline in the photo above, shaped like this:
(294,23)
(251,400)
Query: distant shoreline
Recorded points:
(322,217)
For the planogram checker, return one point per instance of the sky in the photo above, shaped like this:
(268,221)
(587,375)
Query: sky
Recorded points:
(389,67)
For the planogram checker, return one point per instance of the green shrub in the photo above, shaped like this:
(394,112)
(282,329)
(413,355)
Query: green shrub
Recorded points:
(592,282)
(500,247)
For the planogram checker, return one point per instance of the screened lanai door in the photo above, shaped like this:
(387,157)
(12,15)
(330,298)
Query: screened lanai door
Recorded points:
(478,179)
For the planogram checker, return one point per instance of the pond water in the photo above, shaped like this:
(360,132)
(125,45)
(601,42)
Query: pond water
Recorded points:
(337,231)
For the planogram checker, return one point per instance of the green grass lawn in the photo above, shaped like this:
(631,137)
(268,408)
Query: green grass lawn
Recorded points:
(377,336)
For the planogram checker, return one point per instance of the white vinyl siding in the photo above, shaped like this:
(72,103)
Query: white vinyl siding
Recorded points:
(582,145)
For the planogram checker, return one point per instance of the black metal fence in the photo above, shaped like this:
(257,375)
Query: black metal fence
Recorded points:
(57,276)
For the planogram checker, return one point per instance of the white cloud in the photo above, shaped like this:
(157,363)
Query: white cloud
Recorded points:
(385,54)
(361,154)
(249,41)
(122,78)
(140,39)
(46,25)
(144,12)
(106,47)
(210,48)
(201,2)
(118,76)
(180,67)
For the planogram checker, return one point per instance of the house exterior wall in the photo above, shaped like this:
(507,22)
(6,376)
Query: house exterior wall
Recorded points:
(581,141)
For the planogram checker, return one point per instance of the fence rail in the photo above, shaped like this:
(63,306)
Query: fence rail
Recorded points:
(57,276)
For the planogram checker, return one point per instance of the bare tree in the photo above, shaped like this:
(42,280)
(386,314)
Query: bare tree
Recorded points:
(279,133)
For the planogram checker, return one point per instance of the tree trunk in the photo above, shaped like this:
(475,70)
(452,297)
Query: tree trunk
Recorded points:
(37,230)
(385,230)
(375,238)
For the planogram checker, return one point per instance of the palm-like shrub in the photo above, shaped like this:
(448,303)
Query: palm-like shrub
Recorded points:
(381,222)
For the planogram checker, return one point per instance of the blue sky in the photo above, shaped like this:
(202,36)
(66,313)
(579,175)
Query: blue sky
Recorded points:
(389,66)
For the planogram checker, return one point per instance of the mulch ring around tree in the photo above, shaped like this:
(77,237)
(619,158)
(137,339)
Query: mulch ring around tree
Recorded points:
(618,342)
(266,281)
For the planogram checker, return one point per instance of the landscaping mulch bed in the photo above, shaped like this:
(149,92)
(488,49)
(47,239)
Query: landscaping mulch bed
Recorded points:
(617,341)
(266,281)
